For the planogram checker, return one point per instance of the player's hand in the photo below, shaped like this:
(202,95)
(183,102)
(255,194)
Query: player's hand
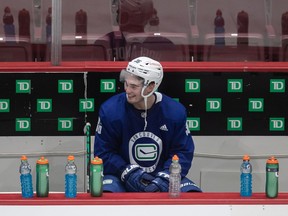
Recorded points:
(135,178)
(159,184)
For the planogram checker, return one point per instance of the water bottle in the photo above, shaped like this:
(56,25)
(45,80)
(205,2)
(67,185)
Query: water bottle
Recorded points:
(26,178)
(42,177)
(70,178)
(96,177)
(246,177)
(174,177)
(272,174)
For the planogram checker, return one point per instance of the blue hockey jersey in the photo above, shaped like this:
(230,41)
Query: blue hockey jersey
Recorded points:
(120,139)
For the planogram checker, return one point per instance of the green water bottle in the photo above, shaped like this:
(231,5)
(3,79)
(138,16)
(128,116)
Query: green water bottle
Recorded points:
(96,177)
(272,174)
(42,177)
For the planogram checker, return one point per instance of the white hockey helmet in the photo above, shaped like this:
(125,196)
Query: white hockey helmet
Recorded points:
(147,69)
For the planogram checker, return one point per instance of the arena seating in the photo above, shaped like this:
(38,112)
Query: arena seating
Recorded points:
(254,36)
(167,41)
(160,46)
(74,49)
(280,42)
(84,29)
(15,49)
(232,51)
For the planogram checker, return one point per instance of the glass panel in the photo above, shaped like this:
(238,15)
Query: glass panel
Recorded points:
(22,30)
(278,25)
(86,26)
(154,29)
(246,30)
(166,30)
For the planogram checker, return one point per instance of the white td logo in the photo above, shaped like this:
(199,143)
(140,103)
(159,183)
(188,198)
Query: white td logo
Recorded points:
(86,105)
(23,86)
(277,124)
(65,86)
(65,124)
(234,124)
(213,104)
(193,124)
(235,85)
(23,124)
(192,85)
(4,105)
(256,104)
(44,105)
(277,85)
(108,85)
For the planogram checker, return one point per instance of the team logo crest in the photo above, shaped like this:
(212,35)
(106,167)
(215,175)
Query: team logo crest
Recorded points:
(146,152)
(145,149)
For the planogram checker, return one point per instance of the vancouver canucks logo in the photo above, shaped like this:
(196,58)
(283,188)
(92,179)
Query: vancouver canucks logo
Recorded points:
(146,152)
(145,149)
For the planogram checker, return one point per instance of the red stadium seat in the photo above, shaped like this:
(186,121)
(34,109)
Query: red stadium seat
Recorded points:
(15,50)
(279,43)
(95,48)
(231,51)
(284,48)
(160,46)
(205,30)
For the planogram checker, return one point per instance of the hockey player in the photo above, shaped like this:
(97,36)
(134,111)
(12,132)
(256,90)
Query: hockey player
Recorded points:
(139,131)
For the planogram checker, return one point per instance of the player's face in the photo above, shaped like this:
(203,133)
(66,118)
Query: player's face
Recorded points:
(133,88)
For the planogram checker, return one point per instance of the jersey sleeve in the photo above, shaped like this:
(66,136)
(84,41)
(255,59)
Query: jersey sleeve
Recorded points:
(181,144)
(106,144)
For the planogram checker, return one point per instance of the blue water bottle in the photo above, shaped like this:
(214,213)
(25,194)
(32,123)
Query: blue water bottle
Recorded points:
(70,178)
(26,178)
(246,177)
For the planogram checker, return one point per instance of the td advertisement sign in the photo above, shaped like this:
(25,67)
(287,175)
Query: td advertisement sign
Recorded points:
(51,104)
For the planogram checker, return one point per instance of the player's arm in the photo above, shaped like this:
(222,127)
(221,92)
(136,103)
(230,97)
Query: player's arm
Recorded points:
(107,142)
(183,146)
(107,146)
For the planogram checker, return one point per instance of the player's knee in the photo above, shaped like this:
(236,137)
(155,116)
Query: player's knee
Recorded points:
(112,184)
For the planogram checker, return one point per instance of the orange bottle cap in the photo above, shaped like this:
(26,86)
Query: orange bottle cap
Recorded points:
(71,157)
(42,160)
(246,157)
(23,157)
(272,160)
(96,160)
(175,157)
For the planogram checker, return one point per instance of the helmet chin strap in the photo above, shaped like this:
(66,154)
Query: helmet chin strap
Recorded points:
(145,104)
(145,119)
(146,101)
